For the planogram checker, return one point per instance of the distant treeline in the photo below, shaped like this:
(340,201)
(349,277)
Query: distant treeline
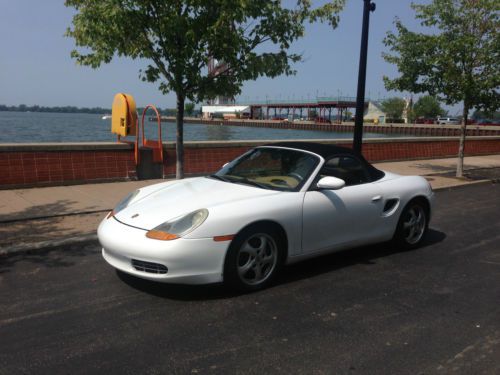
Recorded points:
(72,109)
(65,109)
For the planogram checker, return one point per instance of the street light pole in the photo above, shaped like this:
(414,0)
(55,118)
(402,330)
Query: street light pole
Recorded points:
(360,97)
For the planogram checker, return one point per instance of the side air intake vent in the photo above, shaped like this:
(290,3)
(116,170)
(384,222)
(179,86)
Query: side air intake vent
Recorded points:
(390,204)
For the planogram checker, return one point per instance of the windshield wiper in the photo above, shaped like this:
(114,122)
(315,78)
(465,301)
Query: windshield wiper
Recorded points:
(240,180)
(244,180)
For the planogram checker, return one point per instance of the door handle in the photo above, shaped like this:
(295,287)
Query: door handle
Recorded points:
(376,198)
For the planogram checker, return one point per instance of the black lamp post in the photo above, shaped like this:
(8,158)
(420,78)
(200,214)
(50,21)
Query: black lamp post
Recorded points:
(360,97)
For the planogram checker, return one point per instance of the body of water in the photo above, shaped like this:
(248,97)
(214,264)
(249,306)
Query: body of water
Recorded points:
(28,127)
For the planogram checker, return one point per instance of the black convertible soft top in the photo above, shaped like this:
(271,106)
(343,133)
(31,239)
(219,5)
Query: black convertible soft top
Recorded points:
(326,151)
(329,151)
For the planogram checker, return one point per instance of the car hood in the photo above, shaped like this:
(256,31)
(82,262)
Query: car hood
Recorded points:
(181,197)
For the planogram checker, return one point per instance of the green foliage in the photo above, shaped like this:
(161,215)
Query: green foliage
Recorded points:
(72,109)
(428,107)
(176,39)
(486,115)
(456,61)
(411,116)
(57,109)
(393,108)
(189,108)
(459,62)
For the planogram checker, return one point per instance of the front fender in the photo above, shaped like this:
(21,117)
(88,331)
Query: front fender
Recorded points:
(230,218)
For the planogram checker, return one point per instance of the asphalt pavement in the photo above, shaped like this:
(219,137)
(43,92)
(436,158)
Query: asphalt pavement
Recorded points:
(370,310)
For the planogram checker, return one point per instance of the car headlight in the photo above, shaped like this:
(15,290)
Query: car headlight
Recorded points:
(123,203)
(175,228)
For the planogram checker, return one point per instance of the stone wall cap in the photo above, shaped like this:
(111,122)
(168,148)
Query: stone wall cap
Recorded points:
(86,146)
(64,146)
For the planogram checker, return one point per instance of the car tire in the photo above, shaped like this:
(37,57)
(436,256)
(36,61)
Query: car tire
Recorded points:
(412,225)
(254,258)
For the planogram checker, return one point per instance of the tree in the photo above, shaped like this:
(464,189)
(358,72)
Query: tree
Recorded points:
(411,116)
(457,61)
(178,38)
(189,108)
(393,108)
(486,115)
(428,106)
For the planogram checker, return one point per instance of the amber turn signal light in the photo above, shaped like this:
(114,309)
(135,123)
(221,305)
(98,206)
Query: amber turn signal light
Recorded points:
(162,236)
(227,237)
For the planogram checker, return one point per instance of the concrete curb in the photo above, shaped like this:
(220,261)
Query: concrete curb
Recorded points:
(8,221)
(469,183)
(43,245)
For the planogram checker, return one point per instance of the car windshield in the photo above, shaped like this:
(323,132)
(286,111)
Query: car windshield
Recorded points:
(270,168)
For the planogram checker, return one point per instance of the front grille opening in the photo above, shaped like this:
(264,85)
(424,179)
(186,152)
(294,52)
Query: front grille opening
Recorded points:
(149,267)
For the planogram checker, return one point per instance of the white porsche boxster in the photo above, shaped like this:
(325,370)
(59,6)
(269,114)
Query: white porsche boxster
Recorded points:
(273,205)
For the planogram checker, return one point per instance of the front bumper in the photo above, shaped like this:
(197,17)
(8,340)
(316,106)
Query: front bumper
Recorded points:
(189,261)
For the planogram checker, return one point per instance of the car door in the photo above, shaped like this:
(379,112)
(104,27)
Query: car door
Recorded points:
(344,217)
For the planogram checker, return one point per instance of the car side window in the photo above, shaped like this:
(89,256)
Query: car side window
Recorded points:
(346,168)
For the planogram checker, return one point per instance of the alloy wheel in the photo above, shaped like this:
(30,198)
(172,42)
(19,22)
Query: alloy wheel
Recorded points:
(414,224)
(257,259)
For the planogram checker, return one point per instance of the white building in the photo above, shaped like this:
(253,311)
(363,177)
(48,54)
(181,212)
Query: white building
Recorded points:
(225,111)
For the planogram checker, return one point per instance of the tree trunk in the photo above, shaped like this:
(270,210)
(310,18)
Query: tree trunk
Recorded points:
(461,147)
(179,146)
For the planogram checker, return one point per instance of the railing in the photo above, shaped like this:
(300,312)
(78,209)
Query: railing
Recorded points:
(317,100)
(277,101)
(339,99)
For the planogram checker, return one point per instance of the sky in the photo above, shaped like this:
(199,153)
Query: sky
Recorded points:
(36,67)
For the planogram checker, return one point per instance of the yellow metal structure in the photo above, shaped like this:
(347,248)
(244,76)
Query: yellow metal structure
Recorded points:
(124,115)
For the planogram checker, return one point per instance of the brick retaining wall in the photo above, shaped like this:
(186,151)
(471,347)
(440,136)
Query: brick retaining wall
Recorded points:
(58,164)
(25,165)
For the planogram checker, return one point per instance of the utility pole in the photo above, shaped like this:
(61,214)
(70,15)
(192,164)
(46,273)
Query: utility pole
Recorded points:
(360,97)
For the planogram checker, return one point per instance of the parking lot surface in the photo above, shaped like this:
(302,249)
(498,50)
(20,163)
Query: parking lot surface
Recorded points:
(370,310)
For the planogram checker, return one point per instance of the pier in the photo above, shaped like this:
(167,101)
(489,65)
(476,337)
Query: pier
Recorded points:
(322,107)
(407,129)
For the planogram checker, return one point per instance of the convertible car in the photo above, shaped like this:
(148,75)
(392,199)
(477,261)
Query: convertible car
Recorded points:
(274,205)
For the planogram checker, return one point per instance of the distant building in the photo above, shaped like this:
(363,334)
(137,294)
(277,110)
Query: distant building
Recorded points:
(373,112)
(225,111)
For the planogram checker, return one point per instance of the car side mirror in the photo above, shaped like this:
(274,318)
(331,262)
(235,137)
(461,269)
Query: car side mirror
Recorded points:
(330,183)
